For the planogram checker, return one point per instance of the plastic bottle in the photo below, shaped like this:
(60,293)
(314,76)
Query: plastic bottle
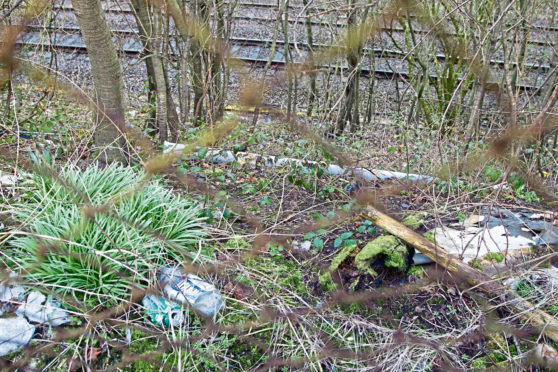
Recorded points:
(182,287)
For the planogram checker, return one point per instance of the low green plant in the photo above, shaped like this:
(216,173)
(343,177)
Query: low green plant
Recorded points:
(98,258)
(317,238)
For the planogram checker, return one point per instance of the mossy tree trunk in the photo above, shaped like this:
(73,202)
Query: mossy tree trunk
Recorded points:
(107,79)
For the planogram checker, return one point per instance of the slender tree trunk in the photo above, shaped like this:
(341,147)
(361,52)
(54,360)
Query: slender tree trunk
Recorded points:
(349,111)
(287,57)
(280,10)
(151,29)
(107,79)
(312,94)
(197,56)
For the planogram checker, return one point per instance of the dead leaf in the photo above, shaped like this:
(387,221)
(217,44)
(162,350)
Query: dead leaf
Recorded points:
(238,291)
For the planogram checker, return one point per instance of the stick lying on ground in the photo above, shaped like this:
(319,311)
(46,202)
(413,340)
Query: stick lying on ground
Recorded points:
(536,317)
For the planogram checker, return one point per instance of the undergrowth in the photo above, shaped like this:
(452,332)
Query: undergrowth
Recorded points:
(98,258)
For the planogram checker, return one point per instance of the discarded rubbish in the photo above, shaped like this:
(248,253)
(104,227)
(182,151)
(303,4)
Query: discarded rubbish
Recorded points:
(201,295)
(303,246)
(39,309)
(163,311)
(7,179)
(10,297)
(500,232)
(421,259)
(227,156)
(15,333)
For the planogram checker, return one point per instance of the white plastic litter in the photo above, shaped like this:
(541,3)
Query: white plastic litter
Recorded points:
(15,333)
(10,296)
(303,246)
(421,259)
(227,156)
(182,287)
(7,179)
(40,310)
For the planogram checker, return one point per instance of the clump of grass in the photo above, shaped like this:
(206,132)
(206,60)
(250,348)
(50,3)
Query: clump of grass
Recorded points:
(98,260)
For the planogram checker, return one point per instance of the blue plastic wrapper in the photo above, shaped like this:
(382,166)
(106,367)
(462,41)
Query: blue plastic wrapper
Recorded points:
(163,311)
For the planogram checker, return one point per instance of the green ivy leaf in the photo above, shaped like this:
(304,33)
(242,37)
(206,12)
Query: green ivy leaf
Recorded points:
(318,243)
(346,235)
(361,228)
(337,242)
(309,235)
(350,242)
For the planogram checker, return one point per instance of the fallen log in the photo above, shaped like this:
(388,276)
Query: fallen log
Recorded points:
(544,322)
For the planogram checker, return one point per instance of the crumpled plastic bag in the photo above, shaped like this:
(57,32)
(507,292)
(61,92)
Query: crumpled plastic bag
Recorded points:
(15,333)
(39,309)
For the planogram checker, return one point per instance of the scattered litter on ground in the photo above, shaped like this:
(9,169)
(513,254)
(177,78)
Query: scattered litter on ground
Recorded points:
(182,287)
(7,180)
(227,156)
(38,309)
(15,333)
(421,259)
(163,311)
(304,246)
(502,232)
(10,296)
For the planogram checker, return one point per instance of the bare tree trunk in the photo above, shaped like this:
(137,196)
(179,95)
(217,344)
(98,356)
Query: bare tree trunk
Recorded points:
(151,30)
(349,111)
(197,55)
(287,56)
(310,40)
(280,10)
(107,78)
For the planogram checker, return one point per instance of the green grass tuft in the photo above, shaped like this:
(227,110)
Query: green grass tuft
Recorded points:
(99,260)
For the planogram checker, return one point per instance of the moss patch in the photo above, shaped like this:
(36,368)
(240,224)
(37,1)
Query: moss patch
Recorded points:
(395,254)
(415,220)
(341,257)
(327,283)
(236,242)
(430,236)
(497,257)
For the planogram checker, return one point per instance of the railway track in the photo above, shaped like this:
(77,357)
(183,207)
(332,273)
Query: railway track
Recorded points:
(124,9)
(252,51)
(71,38)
